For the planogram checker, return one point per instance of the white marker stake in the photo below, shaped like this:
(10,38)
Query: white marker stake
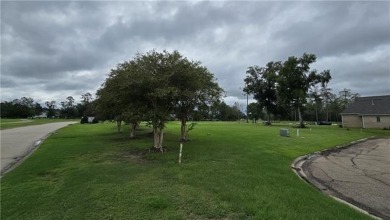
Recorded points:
(181,148)
(298,132)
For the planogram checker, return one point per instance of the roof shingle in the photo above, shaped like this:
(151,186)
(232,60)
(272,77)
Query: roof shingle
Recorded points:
(372,105)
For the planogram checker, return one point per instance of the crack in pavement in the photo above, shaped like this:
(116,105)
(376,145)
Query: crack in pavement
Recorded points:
(357,173)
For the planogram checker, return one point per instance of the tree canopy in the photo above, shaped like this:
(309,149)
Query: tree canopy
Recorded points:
(156,87)
(285,84)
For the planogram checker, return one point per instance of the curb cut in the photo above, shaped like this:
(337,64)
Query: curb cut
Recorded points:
(300,164)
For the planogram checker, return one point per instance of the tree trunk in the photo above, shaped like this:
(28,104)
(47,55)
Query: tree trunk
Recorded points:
(301,125)
(327,114)
(158,138)
(269,117)
(119,125)
(183,129)
(133,129)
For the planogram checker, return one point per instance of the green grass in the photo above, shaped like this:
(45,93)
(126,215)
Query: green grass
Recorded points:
(228,171)
(14,123)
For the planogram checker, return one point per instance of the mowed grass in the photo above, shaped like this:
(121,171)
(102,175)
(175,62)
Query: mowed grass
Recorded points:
(228,171)
(14,123)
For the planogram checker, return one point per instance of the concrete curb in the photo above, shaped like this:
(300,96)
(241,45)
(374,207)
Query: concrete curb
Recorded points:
(299,167)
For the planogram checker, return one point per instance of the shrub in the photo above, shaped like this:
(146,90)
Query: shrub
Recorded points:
(84,120)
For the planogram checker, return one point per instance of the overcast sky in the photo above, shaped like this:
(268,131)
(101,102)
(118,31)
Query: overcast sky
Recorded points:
(51,50)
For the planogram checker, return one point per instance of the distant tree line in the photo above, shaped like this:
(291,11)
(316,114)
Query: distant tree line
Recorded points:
(291,90)
(26,107)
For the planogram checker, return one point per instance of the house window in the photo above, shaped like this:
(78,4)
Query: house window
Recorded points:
(378,119)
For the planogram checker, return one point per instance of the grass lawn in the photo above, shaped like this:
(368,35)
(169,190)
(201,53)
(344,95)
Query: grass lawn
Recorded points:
(228,171)
(14,123)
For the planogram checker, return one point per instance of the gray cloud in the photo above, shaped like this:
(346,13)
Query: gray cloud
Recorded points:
(55,49)
(339,28)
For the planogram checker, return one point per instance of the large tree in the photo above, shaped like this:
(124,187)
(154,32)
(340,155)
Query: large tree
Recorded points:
(69,109)
(294,80)
(51,106)
(261,82)
(347,97)
(195,88)
(153,87)
(117,98)
(86,106)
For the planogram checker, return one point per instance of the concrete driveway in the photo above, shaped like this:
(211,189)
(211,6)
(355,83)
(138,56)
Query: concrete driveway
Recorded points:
(358,174)
(17,143)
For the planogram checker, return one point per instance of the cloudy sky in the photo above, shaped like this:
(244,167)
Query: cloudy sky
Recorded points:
(51,50)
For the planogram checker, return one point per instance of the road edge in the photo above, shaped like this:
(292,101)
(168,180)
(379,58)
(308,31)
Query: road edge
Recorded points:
(31,149)
(299,167)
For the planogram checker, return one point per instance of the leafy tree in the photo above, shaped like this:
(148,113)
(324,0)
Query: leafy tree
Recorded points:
(262,83)
(225,112)
(38,109)
(196,89)
(314,101)
(325,91)
(153,87)
(294,80)
(115,97)
(86,98)
(347,97)
(254,112)
(19,108)
(51,105)
(68,108)
(86,106)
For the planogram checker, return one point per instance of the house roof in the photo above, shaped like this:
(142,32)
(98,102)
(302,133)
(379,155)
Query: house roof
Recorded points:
(372,105)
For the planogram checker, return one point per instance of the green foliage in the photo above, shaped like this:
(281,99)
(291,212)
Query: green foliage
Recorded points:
(262,83)
(224,112)
(84,120)
(285,85)
(93,172)
(51,105)
(20,108)
(254,112)
(153,87)
(190,127)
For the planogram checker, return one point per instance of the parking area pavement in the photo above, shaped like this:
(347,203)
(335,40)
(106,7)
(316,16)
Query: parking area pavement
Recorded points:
(17,143)
(358,174)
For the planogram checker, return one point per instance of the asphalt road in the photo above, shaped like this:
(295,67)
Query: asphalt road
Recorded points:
(359,174)
(17,143)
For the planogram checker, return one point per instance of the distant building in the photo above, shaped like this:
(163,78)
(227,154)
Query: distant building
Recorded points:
(368,112)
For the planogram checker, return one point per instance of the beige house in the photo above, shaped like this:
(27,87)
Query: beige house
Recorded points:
(368,112)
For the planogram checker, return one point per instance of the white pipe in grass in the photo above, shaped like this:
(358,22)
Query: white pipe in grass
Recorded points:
(298,132)
(181,149)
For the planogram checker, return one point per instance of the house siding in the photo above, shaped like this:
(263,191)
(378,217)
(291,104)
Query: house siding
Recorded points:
(352,121)
(364,113)
(371,121)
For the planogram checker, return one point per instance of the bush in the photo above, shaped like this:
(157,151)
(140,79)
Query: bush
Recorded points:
(95,120)
(84,120)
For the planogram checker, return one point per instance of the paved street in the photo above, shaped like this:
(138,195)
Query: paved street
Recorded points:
(359,174)
(18,142)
